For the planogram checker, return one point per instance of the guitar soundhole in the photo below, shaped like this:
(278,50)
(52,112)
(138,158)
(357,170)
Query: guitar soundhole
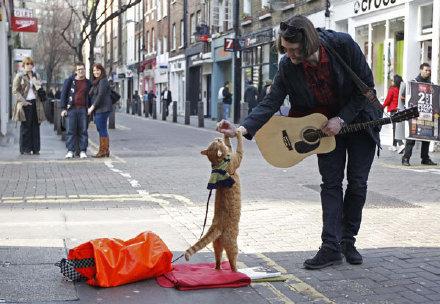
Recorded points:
(310,136)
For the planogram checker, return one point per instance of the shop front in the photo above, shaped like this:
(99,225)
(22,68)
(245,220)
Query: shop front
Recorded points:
(396,36)
(161,78)
(177,81)
(259,59)
(221,71)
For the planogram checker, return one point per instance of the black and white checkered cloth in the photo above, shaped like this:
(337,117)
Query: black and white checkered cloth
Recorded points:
(68,268)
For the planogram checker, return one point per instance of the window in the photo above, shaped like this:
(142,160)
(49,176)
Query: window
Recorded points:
(147,42)
(192,22)
(153,46)
(164,44)
(173,33)
(198,18)
(182,33)
(247,7)
(159,46)
(164,8)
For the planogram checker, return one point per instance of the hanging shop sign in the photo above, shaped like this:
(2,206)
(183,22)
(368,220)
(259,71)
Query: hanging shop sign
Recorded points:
(24,24)
(368,6)
(427,98)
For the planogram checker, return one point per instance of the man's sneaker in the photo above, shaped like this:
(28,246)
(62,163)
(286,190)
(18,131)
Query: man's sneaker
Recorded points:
(392,148)
(350,252)
(400,149)
(428,162)
(82,154)
(405,162)
(69,154)
(324,257)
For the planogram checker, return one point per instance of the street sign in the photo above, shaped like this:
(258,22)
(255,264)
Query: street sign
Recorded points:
(24,24)
(229,45)
(23,12)
(20,54)
(427,98)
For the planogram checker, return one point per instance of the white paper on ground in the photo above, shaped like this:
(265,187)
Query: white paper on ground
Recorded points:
(255,273)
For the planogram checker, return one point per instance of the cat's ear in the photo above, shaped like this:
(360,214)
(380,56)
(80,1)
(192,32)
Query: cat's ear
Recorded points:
(219,153)
(204,152)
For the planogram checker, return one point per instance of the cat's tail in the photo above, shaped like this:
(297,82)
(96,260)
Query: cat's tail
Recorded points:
(212,234)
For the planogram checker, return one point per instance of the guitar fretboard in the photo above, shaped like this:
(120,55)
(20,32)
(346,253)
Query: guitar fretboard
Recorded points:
(359,126)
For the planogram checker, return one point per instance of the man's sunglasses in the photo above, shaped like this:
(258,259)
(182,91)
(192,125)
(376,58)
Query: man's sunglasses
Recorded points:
(290,28)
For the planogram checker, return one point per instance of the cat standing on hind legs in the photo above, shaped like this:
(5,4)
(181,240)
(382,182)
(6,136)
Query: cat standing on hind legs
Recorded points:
(223,232)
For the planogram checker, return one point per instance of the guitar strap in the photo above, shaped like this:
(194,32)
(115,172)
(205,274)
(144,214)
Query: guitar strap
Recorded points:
(365,90)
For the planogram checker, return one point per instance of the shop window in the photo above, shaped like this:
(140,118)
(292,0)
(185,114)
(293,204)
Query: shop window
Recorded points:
(426,19)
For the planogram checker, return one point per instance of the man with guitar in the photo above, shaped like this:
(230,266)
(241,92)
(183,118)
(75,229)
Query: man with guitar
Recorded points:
(317,81)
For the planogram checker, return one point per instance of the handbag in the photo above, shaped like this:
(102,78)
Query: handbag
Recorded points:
(114,96)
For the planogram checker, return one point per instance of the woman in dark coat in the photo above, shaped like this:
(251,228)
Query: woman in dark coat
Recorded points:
(102,107)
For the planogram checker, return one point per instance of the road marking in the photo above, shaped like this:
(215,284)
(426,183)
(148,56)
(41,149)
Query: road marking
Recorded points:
(296,284)
(414,168)
(74,199)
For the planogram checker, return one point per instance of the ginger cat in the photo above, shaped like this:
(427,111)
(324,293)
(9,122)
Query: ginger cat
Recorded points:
(224,229)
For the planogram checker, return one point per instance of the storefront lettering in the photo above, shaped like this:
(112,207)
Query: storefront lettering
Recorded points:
(363,6)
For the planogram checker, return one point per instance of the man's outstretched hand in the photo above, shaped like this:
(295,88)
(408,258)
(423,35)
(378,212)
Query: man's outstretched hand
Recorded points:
(227,128)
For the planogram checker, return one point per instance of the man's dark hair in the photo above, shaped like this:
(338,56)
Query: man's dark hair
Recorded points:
(397,79)
(79,63)
(299,29)
(424,65)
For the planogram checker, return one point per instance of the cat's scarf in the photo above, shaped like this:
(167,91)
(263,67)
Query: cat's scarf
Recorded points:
(219,176)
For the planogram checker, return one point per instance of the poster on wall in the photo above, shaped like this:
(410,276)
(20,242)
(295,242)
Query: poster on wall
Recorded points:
(427,98)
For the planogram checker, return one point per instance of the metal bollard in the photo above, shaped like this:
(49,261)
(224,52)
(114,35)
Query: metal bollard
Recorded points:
(58,115)
(56,119)
(112,119)
(187,112)
(200,114)
(147,108)
(154,110)
(219,110)
(174,111)
(140,108)
(127,109)
(244,109)
(164,110)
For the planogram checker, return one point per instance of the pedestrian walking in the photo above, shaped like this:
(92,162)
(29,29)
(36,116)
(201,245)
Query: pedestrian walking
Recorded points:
(137,102)
(166,99)
(145,100)
(251,95)
(28,108)
(151,100)
(227,100)
(391,104)
(265,90)
(425,77)
(323,85)
(74,101)
(101,108)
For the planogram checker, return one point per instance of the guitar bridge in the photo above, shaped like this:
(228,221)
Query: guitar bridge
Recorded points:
(286,140)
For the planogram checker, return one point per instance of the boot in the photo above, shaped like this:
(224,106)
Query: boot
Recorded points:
(105,148)
(101,148)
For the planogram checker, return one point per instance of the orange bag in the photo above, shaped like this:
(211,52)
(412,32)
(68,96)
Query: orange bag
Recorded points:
(119,262)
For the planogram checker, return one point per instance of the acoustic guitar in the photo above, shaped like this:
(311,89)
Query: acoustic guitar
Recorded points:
(285,141)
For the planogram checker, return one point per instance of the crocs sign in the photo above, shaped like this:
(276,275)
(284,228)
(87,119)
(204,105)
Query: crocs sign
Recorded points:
(24,24)
(367,6)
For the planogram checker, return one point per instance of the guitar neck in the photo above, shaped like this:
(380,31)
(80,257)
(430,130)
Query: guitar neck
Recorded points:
(360,126)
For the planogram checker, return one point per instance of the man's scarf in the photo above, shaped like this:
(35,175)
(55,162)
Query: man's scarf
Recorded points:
(219,176)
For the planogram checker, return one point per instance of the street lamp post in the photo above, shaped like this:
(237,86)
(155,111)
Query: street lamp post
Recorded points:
(237,61)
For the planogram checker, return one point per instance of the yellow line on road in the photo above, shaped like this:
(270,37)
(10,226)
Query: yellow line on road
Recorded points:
(296,284)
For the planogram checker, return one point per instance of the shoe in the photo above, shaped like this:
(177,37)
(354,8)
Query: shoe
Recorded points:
(69,154)
(36,153)
(25,153)
(405,162)
(82,154)
(392,148)
(350,252)
(324,257)
(428,162)
(400,149)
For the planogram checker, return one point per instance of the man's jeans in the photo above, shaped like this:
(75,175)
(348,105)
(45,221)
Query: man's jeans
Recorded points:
(342,214)
(226,110)
(77,129)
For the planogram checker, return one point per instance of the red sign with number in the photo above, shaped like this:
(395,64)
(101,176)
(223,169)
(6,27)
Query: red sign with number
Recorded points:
(24,24)
(229,45)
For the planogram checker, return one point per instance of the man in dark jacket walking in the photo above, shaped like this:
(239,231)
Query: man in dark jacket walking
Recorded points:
(424,76)
(316,82)
(75,101)
(251,96)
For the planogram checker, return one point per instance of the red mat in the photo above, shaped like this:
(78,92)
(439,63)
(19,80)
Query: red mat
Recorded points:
(202,276)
